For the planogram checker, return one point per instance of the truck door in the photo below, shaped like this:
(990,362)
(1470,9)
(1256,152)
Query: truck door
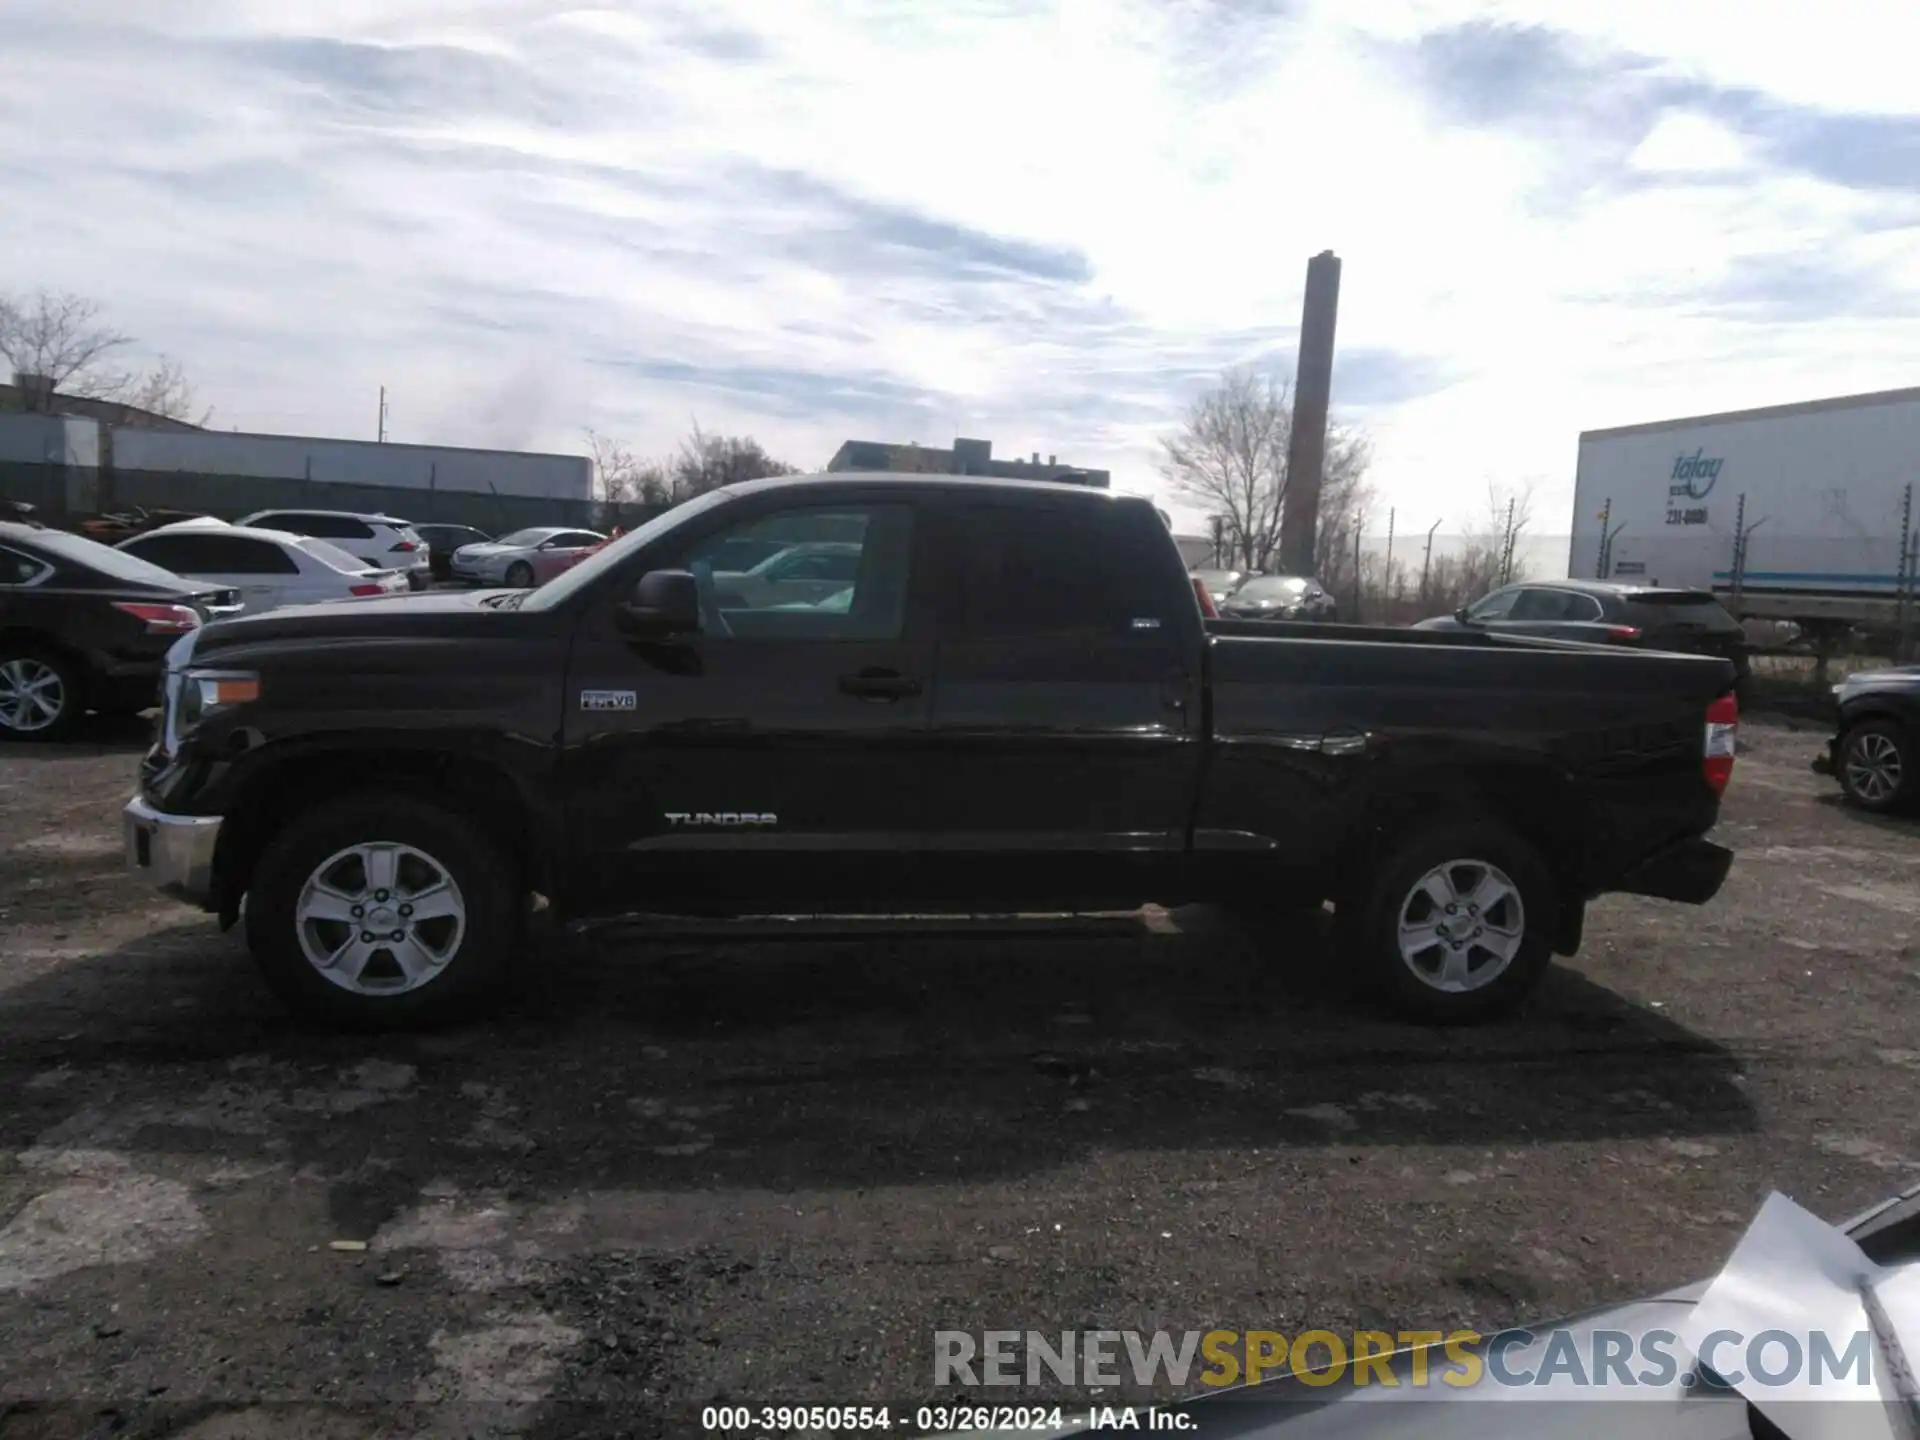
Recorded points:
(776,760)
(1066,717)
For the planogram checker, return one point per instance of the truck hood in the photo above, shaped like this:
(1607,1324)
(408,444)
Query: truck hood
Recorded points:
(427,613)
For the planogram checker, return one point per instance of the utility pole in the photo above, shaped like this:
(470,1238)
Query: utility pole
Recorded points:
(1386,583)
(1506,546)
(1426,562)
(1739,551)
(1356,572)
(1904,587)
(381,434)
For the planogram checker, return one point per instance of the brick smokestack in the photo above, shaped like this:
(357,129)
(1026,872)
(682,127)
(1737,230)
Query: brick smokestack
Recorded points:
(1312,392)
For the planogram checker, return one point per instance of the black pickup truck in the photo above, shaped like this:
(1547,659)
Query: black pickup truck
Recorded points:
(1015,705)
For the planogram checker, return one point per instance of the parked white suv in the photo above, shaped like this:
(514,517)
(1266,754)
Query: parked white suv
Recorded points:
(268,567)
(382,541)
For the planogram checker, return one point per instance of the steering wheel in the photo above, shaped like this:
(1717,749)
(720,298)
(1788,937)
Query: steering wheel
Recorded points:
(711,619)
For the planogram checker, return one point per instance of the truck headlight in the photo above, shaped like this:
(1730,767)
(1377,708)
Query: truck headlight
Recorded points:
(195,695)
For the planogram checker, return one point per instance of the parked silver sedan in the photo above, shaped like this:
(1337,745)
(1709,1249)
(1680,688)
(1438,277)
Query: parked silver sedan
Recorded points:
(523,558)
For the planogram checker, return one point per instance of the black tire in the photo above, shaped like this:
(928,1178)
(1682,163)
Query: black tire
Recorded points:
(1369,921)
(520,575)
(1878,766)
(486,879)
(70,681)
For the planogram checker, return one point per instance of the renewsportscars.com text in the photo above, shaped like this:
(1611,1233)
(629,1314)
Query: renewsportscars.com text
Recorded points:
(1458,1358)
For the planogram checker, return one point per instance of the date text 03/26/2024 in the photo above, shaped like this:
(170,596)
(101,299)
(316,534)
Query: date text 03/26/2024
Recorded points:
(790,1420)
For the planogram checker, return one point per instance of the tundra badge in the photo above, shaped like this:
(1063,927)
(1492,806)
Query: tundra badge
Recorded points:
(607,700)
(720,817)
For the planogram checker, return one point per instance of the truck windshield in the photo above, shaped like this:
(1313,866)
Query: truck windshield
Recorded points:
(569,583)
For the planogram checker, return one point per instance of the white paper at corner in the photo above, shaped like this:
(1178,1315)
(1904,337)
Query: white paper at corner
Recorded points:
(1794,1274)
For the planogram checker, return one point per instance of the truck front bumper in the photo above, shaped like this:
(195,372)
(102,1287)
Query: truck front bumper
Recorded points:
(1690,872)
(174,853)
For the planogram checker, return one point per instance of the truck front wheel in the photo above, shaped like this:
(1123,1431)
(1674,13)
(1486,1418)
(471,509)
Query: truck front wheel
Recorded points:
(382,911)
(1455,924)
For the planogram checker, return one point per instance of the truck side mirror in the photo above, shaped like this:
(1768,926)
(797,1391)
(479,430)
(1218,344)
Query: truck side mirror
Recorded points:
(1461,615)
(664,602)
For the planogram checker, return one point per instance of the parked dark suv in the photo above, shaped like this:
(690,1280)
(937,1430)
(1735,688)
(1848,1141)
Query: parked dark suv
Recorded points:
(1875,749)
(1608,612)
(86,627)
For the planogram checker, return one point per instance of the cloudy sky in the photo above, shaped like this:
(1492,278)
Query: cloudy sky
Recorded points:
(1048,224)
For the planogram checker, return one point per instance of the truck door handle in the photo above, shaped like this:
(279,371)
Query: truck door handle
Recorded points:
(1173,690)
(878,685)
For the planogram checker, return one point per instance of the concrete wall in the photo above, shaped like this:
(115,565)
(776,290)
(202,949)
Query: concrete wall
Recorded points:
(71,468)
(353,462)
(49,461)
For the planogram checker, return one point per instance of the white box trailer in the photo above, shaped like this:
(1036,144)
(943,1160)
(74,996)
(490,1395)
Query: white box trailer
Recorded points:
(1823,492)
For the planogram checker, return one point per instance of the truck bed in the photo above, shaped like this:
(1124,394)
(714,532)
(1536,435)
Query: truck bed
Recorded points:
(1348,717)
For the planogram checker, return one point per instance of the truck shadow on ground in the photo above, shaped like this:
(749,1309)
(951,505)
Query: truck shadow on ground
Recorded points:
(832,1062)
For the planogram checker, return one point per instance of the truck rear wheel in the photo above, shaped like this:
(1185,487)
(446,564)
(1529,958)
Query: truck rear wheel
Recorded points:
(1456,924)
(375,911)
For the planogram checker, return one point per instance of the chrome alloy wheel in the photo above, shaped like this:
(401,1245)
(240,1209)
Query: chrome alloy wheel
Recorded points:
(1461,925)
(1872,768)
(380,918)
(32,695)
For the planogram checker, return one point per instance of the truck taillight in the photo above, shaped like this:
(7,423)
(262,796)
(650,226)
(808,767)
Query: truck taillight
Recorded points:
(161,619)
(366,589)
(1723,729)
(1207,607)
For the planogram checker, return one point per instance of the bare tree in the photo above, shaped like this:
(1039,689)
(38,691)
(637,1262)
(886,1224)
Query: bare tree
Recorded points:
(1346,507)
(1230,457)
(1489,554)
(706,462)
(164,390)
(621,478)
(57,338)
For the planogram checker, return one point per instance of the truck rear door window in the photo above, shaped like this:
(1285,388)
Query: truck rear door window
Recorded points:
(1027,571)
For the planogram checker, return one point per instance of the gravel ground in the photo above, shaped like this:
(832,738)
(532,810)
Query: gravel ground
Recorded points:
(696,1165)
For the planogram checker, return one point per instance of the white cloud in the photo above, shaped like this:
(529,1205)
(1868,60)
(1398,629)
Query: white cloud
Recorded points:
(1045,223)
(1682,142)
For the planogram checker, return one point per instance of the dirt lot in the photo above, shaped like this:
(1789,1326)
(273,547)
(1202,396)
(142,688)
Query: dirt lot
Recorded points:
(684,1169)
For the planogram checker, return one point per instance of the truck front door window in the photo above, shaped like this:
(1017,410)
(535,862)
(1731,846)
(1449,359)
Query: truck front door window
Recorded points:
(836,574)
